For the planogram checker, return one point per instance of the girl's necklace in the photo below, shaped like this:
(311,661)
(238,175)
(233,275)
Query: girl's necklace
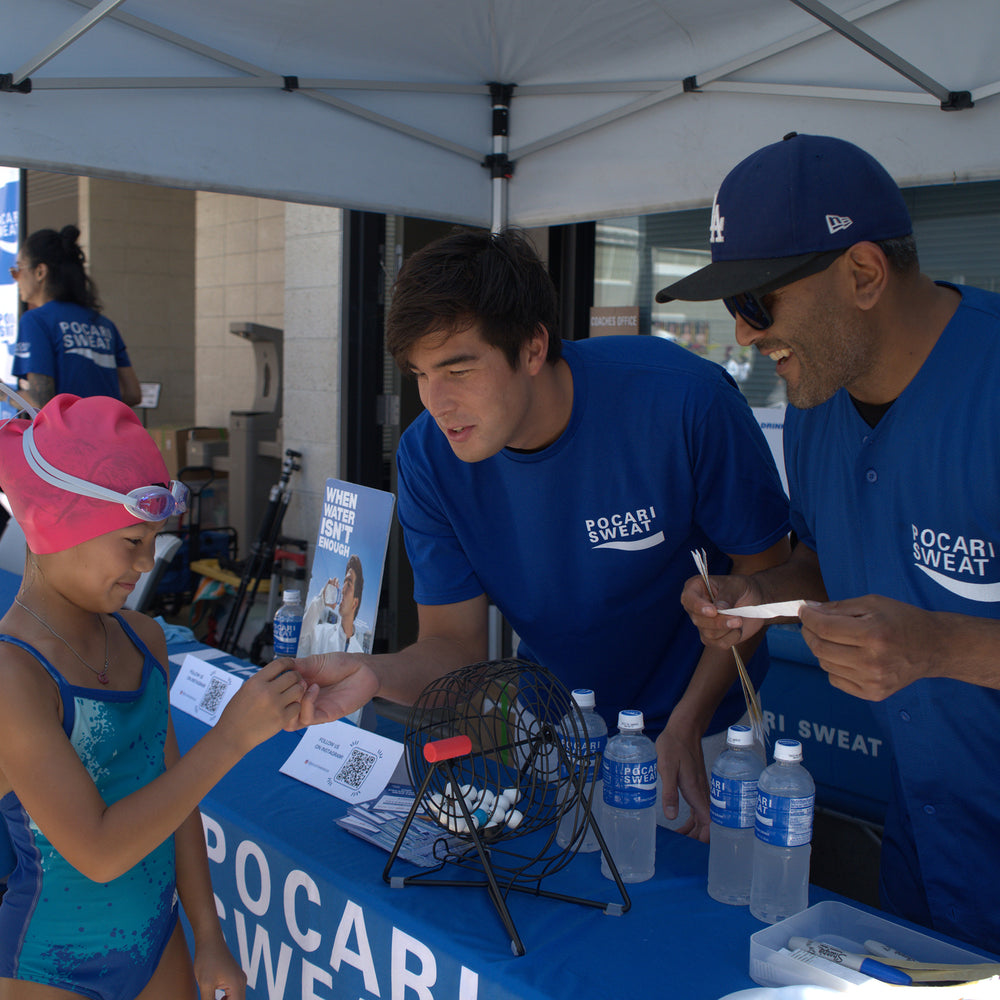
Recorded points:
(102,675)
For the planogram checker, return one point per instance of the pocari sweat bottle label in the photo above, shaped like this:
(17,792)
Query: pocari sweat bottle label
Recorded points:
(286,636)
(629,784)
(732,802)
(581,750)
(784,821)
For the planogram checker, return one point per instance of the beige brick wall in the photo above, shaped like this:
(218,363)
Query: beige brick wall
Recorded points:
(239,277)
(314,269)
(281,265)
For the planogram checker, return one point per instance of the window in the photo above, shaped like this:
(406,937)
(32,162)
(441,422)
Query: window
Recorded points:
(957,228)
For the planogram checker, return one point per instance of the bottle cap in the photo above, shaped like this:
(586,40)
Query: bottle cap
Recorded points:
(291,597)
(790,750)
(740,736)
(630,720)
(584,697)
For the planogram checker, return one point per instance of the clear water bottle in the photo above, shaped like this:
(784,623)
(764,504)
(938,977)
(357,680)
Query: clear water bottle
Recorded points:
(585,748)
(733,801)
(786,796)
(628,819)
(288,624)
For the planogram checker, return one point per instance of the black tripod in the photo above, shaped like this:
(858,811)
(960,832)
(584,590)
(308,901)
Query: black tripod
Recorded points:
(261,558)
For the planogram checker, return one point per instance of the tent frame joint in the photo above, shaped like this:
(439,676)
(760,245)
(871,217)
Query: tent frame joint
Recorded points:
(291,84)
(8,86)
(500,166)
(691,85)
(958,100)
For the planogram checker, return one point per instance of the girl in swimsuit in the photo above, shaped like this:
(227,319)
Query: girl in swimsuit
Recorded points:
(100,806)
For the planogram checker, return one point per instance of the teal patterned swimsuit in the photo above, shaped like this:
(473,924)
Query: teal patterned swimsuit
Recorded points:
(101,940)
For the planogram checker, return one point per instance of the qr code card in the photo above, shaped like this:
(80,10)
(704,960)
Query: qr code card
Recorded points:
(202,689)
(349,763)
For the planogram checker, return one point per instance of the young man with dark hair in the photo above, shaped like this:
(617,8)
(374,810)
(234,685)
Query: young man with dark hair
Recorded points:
(567,483)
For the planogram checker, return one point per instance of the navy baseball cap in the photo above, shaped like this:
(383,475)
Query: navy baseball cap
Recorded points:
(785,205)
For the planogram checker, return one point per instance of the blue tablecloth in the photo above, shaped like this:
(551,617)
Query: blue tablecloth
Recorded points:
(305,909)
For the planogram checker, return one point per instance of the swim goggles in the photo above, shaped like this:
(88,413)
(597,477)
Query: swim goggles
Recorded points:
(750,307)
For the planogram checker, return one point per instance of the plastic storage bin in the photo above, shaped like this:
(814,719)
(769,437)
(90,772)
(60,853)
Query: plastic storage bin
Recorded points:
(848,928)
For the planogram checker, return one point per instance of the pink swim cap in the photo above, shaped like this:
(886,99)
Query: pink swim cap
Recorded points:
(96,438)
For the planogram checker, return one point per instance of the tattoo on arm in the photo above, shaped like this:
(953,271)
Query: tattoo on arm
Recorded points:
(41,387)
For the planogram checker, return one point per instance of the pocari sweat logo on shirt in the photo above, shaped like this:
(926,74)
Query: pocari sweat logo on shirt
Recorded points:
(963,565)
(630,530)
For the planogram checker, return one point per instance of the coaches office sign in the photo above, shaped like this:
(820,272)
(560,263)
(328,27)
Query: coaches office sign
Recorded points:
(613,319)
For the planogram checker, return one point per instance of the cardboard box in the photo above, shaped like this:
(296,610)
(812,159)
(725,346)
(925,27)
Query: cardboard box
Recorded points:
(172,441)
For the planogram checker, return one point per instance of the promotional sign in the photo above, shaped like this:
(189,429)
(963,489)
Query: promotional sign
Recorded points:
(10,194)
(342,603)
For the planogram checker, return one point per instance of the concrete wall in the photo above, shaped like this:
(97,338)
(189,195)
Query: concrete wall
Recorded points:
(139,241)
(239,277)
(313,405)
(280,265)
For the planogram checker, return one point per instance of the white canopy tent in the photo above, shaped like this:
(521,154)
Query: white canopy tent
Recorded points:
(608,107)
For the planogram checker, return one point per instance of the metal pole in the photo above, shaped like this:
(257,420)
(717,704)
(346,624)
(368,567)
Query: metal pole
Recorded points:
(65,39)
(500,166)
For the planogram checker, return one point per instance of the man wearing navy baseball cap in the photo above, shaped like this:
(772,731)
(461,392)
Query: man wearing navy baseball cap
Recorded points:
(893,465)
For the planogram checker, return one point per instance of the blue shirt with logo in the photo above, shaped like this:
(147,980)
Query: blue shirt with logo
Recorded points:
(910,509)
(585,545)
(77,347)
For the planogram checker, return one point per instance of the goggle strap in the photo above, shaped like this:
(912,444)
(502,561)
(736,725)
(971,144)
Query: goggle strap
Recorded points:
(64,480)
(18,401)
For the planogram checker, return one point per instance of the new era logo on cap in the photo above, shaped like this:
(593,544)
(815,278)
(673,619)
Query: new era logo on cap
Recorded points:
(836,223)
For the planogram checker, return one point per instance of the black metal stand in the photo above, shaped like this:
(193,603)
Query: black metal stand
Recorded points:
(440,754)
(258,565)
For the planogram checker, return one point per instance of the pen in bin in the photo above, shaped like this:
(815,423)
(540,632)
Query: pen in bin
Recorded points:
(860,963)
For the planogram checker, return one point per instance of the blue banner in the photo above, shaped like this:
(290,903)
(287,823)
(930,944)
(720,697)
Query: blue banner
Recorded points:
(10,195)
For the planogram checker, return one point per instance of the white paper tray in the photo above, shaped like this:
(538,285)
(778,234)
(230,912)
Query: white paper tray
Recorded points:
(844,927)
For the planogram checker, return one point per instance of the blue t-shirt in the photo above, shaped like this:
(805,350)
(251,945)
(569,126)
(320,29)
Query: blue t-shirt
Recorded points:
(910,509)
(585,545)
(77,347)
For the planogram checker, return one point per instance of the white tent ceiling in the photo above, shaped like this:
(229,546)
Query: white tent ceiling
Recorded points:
(388,104)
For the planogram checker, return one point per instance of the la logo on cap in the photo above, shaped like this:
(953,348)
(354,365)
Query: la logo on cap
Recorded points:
(718,222)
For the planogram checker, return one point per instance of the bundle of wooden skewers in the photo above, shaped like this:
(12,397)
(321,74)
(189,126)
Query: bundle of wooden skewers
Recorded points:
(749,693)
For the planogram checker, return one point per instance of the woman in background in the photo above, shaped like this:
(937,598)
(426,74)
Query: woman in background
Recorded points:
(64,344)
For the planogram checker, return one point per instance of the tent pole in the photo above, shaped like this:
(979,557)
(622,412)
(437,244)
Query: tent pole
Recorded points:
(65,39)
(950,100)
(498,162)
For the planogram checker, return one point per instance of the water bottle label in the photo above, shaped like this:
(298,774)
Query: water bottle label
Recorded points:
(629,785)
(582,750)
(286,636)
(733,802)
(784,821)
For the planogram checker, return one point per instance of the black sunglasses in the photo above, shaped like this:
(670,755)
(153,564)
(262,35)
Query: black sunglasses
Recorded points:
(749,306)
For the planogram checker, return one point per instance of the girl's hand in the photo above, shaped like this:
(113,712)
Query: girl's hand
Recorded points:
(267,703)
(216,969)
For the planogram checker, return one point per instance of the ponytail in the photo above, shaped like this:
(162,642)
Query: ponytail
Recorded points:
(67,279)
